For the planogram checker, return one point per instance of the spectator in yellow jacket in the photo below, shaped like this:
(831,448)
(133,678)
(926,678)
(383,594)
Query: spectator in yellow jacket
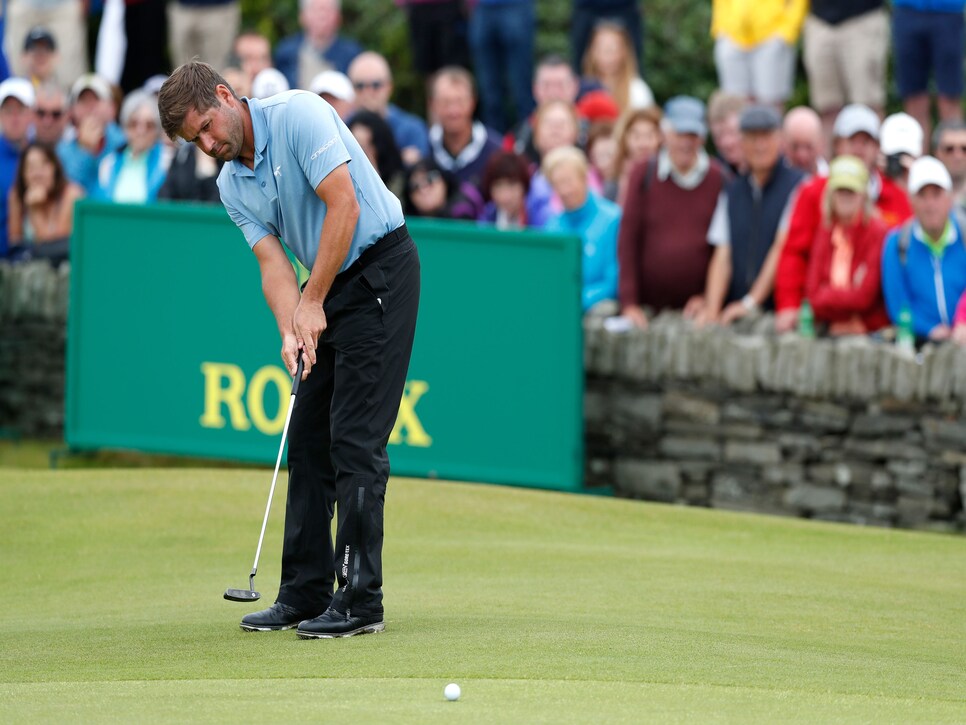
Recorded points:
(754,48)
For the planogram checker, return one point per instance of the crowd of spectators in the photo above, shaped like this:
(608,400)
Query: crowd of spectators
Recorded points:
(832,212)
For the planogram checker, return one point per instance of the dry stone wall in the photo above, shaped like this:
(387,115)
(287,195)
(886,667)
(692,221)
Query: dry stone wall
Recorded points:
(842,430)
(33,331)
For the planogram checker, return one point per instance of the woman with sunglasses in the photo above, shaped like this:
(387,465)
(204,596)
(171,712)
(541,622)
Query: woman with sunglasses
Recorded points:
(135,173)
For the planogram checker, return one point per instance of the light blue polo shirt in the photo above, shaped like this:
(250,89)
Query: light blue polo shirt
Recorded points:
(299,140)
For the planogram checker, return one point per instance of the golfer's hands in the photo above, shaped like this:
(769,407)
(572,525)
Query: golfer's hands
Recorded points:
(309,324)
(290,353)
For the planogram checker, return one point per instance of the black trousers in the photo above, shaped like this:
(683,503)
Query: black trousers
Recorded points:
(343,415)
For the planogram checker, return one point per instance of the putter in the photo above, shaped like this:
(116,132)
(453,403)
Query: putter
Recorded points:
(250,595)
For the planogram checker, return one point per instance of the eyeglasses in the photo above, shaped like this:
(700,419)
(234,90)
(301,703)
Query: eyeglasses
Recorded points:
(950,148)
(52,113)
(429,179)
(374,85)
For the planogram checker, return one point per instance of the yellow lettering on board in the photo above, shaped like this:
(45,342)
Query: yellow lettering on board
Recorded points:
(230,395)
(256,398)
(408,428)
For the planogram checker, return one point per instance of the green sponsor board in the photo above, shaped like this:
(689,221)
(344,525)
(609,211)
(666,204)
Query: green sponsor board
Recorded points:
(172,349)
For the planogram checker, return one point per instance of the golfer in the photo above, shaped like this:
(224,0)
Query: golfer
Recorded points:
(294,172)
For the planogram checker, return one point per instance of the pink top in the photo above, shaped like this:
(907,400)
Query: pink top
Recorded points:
(960,317)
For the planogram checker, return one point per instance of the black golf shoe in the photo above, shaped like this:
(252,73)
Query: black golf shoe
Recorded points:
(333,623)
(278,616)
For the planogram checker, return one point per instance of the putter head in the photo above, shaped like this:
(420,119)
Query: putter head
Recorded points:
(242,595)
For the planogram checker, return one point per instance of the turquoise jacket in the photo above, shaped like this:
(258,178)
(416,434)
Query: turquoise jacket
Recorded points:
(596,223)
(111,168)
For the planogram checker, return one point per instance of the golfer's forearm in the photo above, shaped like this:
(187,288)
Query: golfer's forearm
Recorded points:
(281,289)
(334,243)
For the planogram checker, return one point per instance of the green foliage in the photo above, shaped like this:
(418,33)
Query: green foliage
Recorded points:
(678,49)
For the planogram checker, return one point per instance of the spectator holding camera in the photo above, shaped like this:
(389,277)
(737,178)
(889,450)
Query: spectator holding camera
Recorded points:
(900,142)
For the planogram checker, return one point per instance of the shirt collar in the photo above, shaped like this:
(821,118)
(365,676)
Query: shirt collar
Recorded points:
(937,246)
(472,150)
(691,179)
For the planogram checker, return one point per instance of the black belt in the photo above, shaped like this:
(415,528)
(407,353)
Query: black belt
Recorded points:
(381,248)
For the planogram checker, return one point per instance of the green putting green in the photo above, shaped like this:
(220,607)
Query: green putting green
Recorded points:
(544,607)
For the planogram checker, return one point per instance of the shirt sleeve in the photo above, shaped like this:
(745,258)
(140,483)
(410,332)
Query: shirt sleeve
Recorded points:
(253,231)
(719,233)
(314,134)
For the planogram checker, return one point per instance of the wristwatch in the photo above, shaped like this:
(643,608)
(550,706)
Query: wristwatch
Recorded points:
(748,302)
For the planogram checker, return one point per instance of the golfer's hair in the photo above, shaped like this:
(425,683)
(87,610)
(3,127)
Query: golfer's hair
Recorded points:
(191,86)
(564,156)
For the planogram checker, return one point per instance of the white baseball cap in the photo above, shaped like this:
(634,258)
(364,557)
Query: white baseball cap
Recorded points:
(335,84)
(268,82)
(928,170)
(91,82)
(856,118)
(19,88)
(901,134)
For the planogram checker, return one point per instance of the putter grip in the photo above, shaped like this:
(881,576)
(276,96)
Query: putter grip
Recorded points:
(298,375)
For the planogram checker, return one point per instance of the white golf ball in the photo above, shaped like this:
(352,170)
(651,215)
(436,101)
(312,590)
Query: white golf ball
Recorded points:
(452,691)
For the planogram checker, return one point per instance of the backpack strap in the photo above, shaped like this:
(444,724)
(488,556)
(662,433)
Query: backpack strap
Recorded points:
(650,173)
(905,238)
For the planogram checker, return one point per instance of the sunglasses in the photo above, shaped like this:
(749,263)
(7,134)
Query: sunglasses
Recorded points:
(50,113)
(431,178)
(950,148)
(374,85)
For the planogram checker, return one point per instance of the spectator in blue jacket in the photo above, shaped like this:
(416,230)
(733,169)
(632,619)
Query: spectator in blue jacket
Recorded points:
(135,173)
(318,46)
(593,218)
(924,260)
(929,38)
(93,134)
(372,82)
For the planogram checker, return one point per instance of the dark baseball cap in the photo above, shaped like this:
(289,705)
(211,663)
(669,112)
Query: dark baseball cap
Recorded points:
(39,35)
(760,118)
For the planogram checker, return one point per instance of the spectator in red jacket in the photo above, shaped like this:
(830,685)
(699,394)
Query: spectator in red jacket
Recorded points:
(844,273)
(856,133)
